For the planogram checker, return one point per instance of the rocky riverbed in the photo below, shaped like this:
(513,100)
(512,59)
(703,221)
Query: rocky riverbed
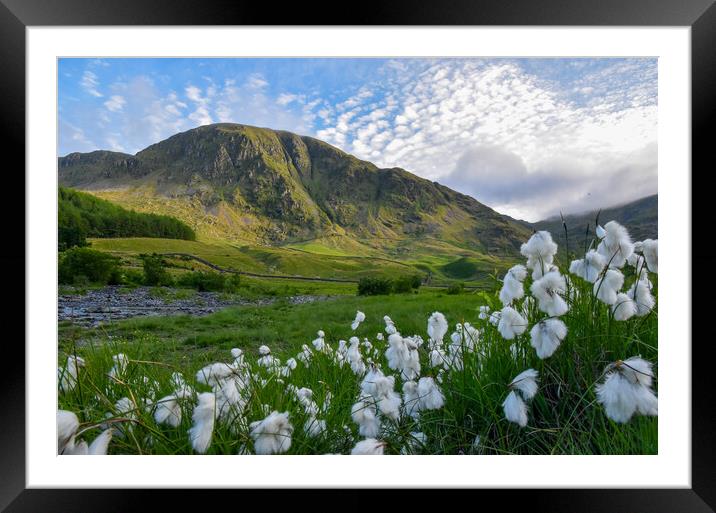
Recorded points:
(114,303)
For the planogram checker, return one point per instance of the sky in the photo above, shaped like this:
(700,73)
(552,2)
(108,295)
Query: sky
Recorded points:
(527,137)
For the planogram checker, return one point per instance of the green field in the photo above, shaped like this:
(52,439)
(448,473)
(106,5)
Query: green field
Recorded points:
(564,417)
(315,260)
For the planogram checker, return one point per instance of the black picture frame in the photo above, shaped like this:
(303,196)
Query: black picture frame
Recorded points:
(16,15)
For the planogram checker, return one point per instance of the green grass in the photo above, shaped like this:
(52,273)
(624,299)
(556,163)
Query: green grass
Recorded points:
(563,418)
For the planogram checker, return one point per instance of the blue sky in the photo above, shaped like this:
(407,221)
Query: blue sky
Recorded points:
(528,137)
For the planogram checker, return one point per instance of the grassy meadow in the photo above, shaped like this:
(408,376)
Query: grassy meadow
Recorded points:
(564,416)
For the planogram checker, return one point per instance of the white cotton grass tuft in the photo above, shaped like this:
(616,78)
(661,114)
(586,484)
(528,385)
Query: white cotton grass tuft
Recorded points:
(430,397)
(650,250)
(411,399)
(539,250)
(402,355)
(120,366)
(526,383)
(626,390)
(319,343)
(202,428)
(523,388)
(67,424)
(168,411)
(546,336)
(624,307)
(589,267)
(548,291)
(214,373)
(607,287)
(314,427)
(616,245)
(640,292)
(515,409)
(484,312)
(512,287)
(437,327)
(272,435)
(368,447)
(99,445)
(364,413)
(354,357)
(67,376)
(511,323)
(360,317)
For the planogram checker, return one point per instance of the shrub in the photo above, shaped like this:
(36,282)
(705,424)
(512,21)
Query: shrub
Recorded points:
(374,286)
(132,277)
(210,281)
(95,266)
(155,273)
(403,284)
(456,288)
(232,283)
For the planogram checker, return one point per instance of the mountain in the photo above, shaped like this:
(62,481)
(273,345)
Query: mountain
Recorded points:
(640,217)
(259,186)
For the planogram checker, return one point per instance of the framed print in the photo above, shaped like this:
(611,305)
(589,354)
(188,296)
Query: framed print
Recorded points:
(430,236)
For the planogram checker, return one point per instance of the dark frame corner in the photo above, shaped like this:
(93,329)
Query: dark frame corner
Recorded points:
(17,15)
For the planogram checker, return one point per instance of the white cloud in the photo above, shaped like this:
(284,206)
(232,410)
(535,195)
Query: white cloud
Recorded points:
(115,103)
(285,98)
(445,111)
(90,83)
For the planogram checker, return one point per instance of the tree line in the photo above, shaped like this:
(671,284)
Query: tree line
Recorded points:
(81,215)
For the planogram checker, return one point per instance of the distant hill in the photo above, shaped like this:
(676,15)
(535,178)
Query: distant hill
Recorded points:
(251,185)
(640,217)
(82,215)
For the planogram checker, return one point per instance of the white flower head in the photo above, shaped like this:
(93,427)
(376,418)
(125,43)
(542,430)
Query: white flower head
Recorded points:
(484,312)
(120,366)
(364,413)
(607,287)
(548,291)
(67,376)
(626,390)
(589,267)
(437,327)
(546,336)
(411,398)
(360,317)
(202,428)
(430,395)
(616,245)
(640,292)
(511,323)
(314,427)
(67,424)
(650,249)
(512,287)
(526,383)
(168,411)
(368,447)
(624,307)
(214,373)
(272,435)
(515,409)
(539,250)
